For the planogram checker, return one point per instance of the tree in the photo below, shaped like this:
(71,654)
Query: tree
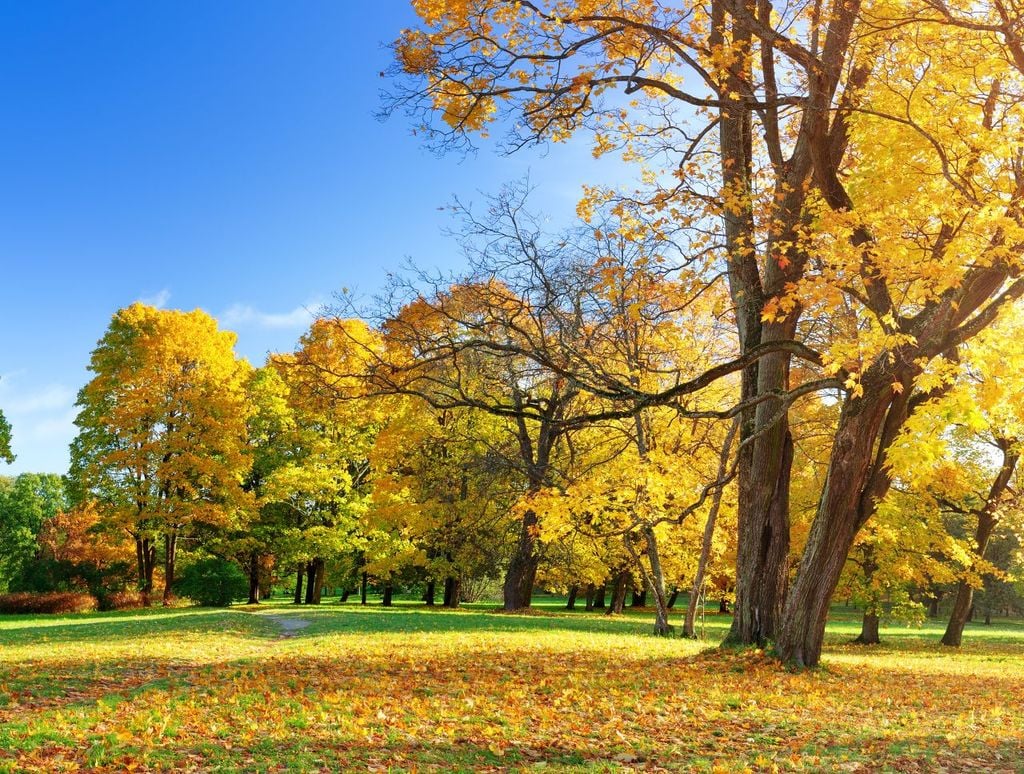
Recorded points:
(770,141)
(5,439)
(27,502)
(161,445)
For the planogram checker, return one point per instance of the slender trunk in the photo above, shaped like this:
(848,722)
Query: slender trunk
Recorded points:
(570,603)
(522,569)
(430,593)
(656,581)
(310,580)
(673,597)
(254,578)
(363,582)
(697,590)
(590,597)
(170,559)
(300,574)
(388,591)
(723,606)
(933,607)
(987,521)
(145,555)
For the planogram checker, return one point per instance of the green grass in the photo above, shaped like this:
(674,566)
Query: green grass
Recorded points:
(416,688)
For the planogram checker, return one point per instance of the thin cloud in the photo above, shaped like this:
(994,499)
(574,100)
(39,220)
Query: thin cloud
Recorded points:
(246,316)
(159,299)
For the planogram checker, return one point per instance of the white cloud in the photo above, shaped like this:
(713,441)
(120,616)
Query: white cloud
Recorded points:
(42,418)
(246,316)
(158,299)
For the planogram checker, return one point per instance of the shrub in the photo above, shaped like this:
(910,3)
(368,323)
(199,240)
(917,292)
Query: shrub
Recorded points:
(49,602)
(213,582)
(123,600)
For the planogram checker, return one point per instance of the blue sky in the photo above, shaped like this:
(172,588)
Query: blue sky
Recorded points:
(221,155)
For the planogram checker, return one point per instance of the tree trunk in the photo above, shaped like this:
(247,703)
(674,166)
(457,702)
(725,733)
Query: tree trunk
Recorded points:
(590,597)
(570,603)
(619,591)
(723,606)
(987,520)
(835,524)
(452,591)
(345,594)
(933,607)
(388,591)
(869,629)
(707,540)
(300,574)
(522,569)
(317,580)
(599,595)
(170,560)
(639,598)
(673,597)
(363,582)
(145,554)
(310,581)
(254,578)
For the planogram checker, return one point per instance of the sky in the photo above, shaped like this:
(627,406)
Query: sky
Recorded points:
(224,156)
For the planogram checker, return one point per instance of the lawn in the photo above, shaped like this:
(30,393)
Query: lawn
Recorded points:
(413,689)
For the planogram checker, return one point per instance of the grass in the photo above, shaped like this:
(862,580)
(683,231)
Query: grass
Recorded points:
(416,689)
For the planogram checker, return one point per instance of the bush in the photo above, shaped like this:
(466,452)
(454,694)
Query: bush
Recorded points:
(123,600)
(49,602)
(213,582)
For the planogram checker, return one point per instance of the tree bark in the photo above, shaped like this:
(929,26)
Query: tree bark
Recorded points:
(430,593)
(300,575)
(388,591)
(522,569)
(363,582)
(673,597)
(599,595)
(319,568)
(619,591)
(869,629)
(835,524)
(254,578)
(452,591)
(570,603)
(590,597)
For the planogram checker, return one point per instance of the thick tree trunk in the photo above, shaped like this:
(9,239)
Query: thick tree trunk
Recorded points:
(300,575)
(254,578)
(869,629)
(835,526)
(170,560)
(388,592)
(522,569)
(452,591)
(570,603)
(622,583)
(319,568)
(430,593)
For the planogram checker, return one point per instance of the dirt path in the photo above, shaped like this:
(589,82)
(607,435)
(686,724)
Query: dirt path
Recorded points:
(289,624)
